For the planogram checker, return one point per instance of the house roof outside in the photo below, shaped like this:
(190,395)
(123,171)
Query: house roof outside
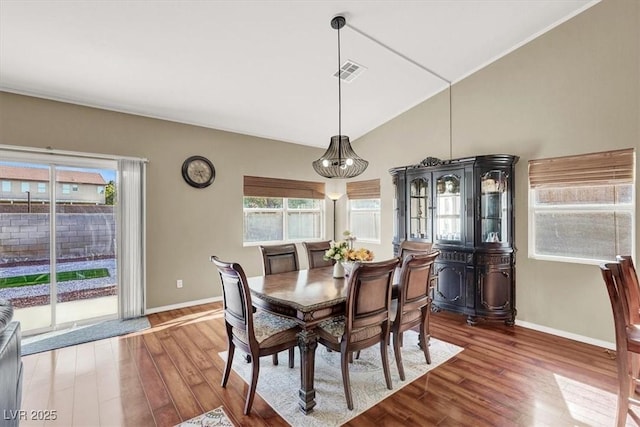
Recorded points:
(37,174)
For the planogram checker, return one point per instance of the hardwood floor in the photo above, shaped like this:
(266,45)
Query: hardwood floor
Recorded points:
(506,376)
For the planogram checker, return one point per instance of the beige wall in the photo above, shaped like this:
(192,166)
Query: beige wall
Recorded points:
(573,90)
(185,226)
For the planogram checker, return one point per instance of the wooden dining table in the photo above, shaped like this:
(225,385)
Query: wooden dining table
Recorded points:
(309,297)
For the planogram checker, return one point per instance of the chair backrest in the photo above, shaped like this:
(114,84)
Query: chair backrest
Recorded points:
(414,287)
(315,253)
(236,297)
(633,289)
(279,258)
(369,296)
(410,247)
(615,282)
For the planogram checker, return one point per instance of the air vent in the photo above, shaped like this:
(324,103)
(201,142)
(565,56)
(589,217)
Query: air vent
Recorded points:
(350,70)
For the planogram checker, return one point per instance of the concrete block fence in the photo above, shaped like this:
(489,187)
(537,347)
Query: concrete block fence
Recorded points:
(24,237)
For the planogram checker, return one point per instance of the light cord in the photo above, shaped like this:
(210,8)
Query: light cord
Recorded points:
(422,67)
(339,104)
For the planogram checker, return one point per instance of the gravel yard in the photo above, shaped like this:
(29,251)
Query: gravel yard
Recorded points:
(28,296)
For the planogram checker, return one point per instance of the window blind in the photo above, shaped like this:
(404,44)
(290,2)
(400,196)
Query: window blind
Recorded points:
(364,189)
(607,167)
(256,186)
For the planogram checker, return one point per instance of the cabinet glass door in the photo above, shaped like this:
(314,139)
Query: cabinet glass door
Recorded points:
(396,209)
(419,212)
(448,208)
(493,207)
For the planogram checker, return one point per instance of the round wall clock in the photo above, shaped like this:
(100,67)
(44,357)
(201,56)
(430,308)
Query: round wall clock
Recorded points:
(198,171)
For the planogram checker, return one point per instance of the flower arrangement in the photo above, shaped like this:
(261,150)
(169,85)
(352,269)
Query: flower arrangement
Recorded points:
(343,251)
(360,254)
(338,251)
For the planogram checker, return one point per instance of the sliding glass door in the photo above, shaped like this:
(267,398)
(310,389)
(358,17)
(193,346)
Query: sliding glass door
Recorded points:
(58,217)
(85,244)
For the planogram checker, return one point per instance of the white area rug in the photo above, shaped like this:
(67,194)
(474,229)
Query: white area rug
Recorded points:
(279,385)
(215,417)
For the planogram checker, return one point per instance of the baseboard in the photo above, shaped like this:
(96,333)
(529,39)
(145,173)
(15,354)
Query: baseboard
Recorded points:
(565,334)
(528,325)
(181,305)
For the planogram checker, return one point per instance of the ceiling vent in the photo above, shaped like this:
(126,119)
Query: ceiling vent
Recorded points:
(350,70)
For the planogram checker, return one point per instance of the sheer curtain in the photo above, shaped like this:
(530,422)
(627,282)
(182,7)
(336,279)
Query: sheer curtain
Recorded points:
(131,237)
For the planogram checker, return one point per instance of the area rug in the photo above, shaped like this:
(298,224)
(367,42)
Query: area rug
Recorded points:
(82,334)
(279,385)
(215,417)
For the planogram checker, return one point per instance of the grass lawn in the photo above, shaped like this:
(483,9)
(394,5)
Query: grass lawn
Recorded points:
(44,278)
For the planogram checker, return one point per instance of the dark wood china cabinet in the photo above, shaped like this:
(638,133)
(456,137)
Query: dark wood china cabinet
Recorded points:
(465,208)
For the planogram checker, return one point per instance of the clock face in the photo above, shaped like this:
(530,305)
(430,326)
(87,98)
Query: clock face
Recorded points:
(198,171)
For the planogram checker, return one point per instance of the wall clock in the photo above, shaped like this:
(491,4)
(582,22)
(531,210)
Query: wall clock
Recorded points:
(198,171)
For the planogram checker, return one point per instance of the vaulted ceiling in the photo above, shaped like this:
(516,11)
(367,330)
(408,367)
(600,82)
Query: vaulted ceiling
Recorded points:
(262,68)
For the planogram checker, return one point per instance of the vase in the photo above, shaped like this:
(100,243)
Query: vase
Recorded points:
(338,270)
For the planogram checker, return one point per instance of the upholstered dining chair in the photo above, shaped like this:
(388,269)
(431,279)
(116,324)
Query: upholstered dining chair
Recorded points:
(413,305)
(366,320)
(411,247)
(279,258)
(259,334)
(315,253)
(627,340)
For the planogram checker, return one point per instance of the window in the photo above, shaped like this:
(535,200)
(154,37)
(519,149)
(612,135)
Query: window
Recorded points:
(6,186)
(42,187)
(100,189)
(24,187)
(581,208)
(270,219)
(364,209)
(279,210)
(66,189)
(74,187)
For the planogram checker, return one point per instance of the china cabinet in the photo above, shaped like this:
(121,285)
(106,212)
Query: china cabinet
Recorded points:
(465,208)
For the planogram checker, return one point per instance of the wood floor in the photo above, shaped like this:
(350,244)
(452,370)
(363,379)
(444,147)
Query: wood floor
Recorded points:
(506,376)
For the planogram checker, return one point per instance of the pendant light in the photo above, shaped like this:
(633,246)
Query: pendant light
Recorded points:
(339,161)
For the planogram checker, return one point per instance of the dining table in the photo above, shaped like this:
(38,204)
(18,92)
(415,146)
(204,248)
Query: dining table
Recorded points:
(310,297)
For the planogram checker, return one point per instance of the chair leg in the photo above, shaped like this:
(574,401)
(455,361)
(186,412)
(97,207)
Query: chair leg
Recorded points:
(424,341)
(292,356)
(626,368)
(385,360)
(227,366)
(275,359)
(255,370)
(344,359)
(398,353)
(625,385)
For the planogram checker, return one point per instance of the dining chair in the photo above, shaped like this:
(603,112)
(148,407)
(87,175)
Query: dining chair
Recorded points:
(411,247)
(627,337)
(315,254)
(279,258)
(633,290)
(413,305)
(259,334)
(366,320)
